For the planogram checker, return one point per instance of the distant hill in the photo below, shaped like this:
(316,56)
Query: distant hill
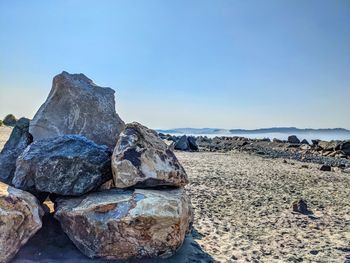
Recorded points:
(285,130)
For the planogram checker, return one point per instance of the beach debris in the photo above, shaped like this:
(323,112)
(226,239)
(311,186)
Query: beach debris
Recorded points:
(20,219)
(122,224)
(300,206)
(142,159)
(19,139)
(65,165)
(76,105)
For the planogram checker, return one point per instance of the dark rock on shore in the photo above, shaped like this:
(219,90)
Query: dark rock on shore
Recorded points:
(304,141)
(300,206)
(142,159)
(66,165)
(76,105)
(293,139)
(326,168)
(19,139)
(182,144)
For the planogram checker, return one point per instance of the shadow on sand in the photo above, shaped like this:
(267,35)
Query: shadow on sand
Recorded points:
(51,245)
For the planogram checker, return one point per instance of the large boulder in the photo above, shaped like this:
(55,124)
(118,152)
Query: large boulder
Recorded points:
(20,219)
(76,105)
(142,159)
(345,147)
(19,139)
(66,165)
(293,139)
(122,224)
(192,143)
(182,144)
(10,120)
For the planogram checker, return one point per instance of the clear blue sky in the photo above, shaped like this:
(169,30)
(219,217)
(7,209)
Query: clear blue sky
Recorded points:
(229,64)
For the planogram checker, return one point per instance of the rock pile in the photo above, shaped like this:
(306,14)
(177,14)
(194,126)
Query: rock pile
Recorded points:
(112,206)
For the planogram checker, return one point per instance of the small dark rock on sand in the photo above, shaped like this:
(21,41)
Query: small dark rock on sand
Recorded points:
(326,168)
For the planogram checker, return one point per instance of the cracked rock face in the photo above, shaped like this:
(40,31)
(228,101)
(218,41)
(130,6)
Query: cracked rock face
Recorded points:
(142,159)
(20,219)
(76,105)
(19,139)
(66,165)
(122,224)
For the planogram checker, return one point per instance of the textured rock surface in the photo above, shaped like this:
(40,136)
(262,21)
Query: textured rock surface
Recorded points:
(18,141)
(66,165)
(142,159)
(20,219)
(76,105)
(121,224)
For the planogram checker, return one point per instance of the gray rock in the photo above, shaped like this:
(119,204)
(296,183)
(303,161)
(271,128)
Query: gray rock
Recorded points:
(10,120)
(120,224)
(66,165)
(182,144)
(19,139)
(345,147)
(20,219)
(293,139)
(76,105)
(304,141)
(300,206)
(329,146)
(142,159)
(192,143)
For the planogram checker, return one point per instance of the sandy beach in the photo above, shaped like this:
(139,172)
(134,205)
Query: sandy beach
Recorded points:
(243,213)
(243,208)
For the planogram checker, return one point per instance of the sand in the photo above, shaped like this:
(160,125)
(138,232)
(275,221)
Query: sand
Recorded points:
(243,208)
(242,213)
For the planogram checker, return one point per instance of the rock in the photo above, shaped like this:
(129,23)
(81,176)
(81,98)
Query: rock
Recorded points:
(315,142)
(293,139)
(182,144)
(304,141)
(305,147)
(300,206)
(142,159)
(20,219)
(277,140)
(122,224)
(10,120)
(345,147)
(19,139)
(326,168)
(328,146)
(66,165)
(76,105)
(192,143)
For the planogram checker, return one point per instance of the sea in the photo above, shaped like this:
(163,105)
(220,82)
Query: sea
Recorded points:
(281,136)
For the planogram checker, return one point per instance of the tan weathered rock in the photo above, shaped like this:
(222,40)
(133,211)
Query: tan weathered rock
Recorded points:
(20,219)
(122,224)
(142,159)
